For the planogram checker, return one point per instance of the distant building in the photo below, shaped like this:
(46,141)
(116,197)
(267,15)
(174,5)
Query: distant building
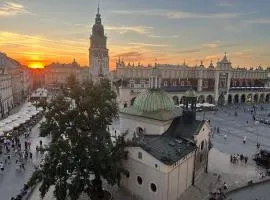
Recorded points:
(167,147)
(98,52)
(56,74)
(221,84)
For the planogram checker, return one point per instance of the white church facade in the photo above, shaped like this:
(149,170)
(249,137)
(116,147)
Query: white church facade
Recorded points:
(167,147)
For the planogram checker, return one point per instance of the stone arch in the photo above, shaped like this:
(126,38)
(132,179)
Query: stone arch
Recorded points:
(243,98)
(132,100)
(230,99)
(221,100)
(201,99)
(255,98)
(267,98)
(210,99)
(176,100)
(249,98)
(236,98)
(261,100)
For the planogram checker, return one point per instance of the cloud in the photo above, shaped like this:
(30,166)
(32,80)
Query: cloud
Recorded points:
(226,3)
(148,44)
(257,21)
(126,29)
(132,55)
(170,14)
(208,46)
(164,36)
(12,9)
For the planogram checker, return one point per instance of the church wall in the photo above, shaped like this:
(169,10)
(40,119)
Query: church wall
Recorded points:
(202,142)
(180,178)
(144,168)
(151,127)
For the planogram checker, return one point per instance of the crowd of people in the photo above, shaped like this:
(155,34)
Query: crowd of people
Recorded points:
(235,158)
(15,149)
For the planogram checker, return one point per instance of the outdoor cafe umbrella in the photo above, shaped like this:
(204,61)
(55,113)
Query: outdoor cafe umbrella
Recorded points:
(2,123)
(8,128)
(1,133)
(15,125)
(7,121)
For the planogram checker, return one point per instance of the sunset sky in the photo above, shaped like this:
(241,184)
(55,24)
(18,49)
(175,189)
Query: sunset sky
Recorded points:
(38,32)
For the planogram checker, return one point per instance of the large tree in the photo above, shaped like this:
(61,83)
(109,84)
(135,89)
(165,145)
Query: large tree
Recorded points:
(81,153)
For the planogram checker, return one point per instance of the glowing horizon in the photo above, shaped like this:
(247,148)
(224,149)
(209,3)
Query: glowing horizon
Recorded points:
(137,31)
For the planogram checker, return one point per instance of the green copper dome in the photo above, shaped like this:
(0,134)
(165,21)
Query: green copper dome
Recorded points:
(153,100)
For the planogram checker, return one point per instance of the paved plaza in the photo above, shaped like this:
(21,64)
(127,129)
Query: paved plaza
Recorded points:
(12,179)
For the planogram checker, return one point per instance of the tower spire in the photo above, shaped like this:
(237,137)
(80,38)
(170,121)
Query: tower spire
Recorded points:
(98,8)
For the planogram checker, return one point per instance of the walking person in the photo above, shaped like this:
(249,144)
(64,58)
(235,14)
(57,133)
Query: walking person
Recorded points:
(244,140)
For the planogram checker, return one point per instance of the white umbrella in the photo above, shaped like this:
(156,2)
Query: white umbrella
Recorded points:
(2,123)
(7,128)
(7,121)
(198,105)
(15,125)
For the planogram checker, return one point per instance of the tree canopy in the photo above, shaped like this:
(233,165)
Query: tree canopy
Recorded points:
(81,153)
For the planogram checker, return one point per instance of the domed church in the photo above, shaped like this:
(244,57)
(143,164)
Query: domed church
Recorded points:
(167,147)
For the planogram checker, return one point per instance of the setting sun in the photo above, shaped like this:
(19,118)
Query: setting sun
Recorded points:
(36,65)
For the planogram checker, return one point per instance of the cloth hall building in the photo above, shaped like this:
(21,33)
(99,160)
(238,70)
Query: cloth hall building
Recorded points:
(221,84)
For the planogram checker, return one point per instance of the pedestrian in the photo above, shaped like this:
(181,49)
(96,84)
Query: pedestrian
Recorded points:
(40,142)
(225,137)
(244,140)
(246,159)
(30,155)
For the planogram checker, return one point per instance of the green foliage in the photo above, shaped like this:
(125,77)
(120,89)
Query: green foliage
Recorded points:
(81,148)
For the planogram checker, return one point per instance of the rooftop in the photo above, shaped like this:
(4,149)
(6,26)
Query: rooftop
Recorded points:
(179,129)
(166,149)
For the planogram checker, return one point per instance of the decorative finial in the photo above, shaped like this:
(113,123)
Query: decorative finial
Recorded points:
(98,8)
(201,62)
(225,53)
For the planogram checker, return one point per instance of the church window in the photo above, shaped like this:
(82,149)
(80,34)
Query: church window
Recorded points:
(140,155)
(156,166)
(153,187)
(139,180)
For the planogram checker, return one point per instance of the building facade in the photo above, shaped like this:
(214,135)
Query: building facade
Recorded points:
(98,52)
(167,147)
(6,97)
(56,74)
(19,80)
(221,84)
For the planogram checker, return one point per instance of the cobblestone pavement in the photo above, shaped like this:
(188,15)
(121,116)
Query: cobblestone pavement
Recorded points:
(12,180)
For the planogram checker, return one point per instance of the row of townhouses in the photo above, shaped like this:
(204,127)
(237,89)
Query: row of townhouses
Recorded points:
(15,84)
